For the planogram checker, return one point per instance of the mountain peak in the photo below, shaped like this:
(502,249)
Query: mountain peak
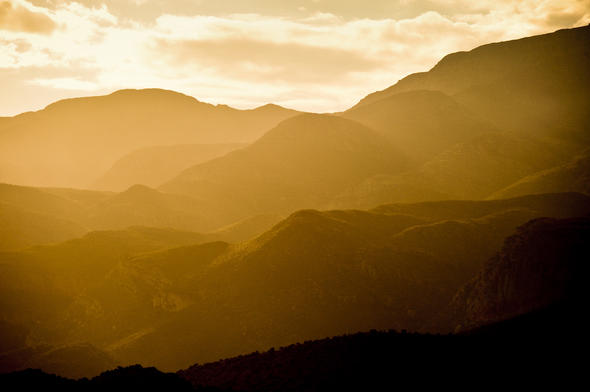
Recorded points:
(151,92)
(140,189)
(133,95)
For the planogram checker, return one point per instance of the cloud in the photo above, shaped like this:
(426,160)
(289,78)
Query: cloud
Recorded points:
(245,53)
(16,16)
(266,61)
(65,84)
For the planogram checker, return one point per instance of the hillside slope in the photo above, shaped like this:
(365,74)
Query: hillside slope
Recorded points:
(420,123)
(301,163)
(473,169)
(534,85)
(573,176)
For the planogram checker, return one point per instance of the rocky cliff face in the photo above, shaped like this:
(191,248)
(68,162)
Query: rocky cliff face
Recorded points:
(542,264)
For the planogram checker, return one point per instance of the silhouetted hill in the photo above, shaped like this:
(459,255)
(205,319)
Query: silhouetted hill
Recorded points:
(131,378)
(543,264)
(506,352)
(535,85)
(73,361)
(503,353)
(74,141)
(301,163)
(573,176)
(152,166)
(420,123)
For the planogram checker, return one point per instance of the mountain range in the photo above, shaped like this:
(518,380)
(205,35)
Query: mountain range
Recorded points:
(450,209)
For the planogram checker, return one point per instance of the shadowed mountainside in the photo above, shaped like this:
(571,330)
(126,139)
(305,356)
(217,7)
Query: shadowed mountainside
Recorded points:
(542,264)
(152,166)
(381,360)
(74,141)
(314,274)
(367,361)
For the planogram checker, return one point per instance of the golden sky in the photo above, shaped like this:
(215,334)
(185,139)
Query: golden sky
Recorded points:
(315,55)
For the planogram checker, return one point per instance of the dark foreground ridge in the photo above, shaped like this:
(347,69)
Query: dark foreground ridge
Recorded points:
(537,343)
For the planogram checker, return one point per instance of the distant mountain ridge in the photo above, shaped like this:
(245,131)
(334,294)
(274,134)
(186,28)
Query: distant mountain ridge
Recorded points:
(482,120)
(532,85)
(72,142)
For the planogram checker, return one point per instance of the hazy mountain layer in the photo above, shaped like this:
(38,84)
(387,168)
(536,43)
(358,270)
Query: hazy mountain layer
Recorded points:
(472,169)
(422,124)
(301,163)
(35,216)
(73,142)
(152,166)
(21,228)
(93,210)
(573,176)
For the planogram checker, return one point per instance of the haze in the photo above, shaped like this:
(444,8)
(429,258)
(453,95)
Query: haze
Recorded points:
(292,196)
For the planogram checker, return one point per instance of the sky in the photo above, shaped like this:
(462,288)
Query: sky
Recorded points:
(312,55)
